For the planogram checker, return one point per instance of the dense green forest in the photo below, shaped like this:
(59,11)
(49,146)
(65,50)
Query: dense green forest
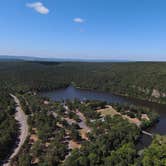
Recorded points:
(56,136)
(8,125)
(54,125)
(143,80)
(155,154)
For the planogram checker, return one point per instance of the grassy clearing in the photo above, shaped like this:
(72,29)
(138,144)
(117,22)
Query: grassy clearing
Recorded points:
(109,110)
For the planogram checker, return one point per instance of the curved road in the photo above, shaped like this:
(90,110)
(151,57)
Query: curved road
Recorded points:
(22,120)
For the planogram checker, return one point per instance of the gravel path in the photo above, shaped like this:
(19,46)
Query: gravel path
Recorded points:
(22,120)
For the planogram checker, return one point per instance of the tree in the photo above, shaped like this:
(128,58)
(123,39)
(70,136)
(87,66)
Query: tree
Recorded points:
(123,156)
(155,154)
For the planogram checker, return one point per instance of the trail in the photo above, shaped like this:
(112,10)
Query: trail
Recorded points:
(21,118)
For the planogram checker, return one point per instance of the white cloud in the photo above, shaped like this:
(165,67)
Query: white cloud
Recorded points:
(79,20)
(39,7)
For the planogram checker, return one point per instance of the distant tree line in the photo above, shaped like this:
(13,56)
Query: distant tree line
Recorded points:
(143,80)
(111,140)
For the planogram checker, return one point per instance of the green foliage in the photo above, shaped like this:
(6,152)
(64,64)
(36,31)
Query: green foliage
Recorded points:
(24,160)
(136,112)
(155,154)
(8,125)
(111,139)
(114,133)
(130,79)
(49,149)
(123,156)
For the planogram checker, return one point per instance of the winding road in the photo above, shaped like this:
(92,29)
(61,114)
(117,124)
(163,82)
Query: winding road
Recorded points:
(21,118)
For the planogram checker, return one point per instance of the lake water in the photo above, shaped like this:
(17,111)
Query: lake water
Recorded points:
(71,93)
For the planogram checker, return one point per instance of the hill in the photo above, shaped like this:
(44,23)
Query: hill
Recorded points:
(143,80)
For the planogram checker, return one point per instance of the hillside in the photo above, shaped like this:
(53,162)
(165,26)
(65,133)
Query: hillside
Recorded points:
(143,80)
(47,118)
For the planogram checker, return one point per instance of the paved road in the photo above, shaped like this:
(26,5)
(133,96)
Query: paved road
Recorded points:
(22,120)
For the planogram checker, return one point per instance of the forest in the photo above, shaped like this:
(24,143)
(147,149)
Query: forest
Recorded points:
(68,133)
(8,125)
(142,80)
(57,138)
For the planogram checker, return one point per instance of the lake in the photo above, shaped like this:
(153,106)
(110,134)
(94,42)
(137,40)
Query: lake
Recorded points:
(71,93)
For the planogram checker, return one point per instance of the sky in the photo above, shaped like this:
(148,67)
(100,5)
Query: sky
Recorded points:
(86,29)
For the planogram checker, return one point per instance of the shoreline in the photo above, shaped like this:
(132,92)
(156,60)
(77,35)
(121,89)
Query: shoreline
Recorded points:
(108,93)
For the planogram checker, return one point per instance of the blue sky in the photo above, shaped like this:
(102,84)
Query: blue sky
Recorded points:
(113,29)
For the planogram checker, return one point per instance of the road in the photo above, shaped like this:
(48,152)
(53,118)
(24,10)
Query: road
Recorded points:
(82,124)
(21,118)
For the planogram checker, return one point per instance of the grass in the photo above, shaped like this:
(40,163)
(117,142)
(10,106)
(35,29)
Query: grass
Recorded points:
(108,111)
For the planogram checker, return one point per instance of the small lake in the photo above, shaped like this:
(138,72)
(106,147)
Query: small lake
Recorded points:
(71,93)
